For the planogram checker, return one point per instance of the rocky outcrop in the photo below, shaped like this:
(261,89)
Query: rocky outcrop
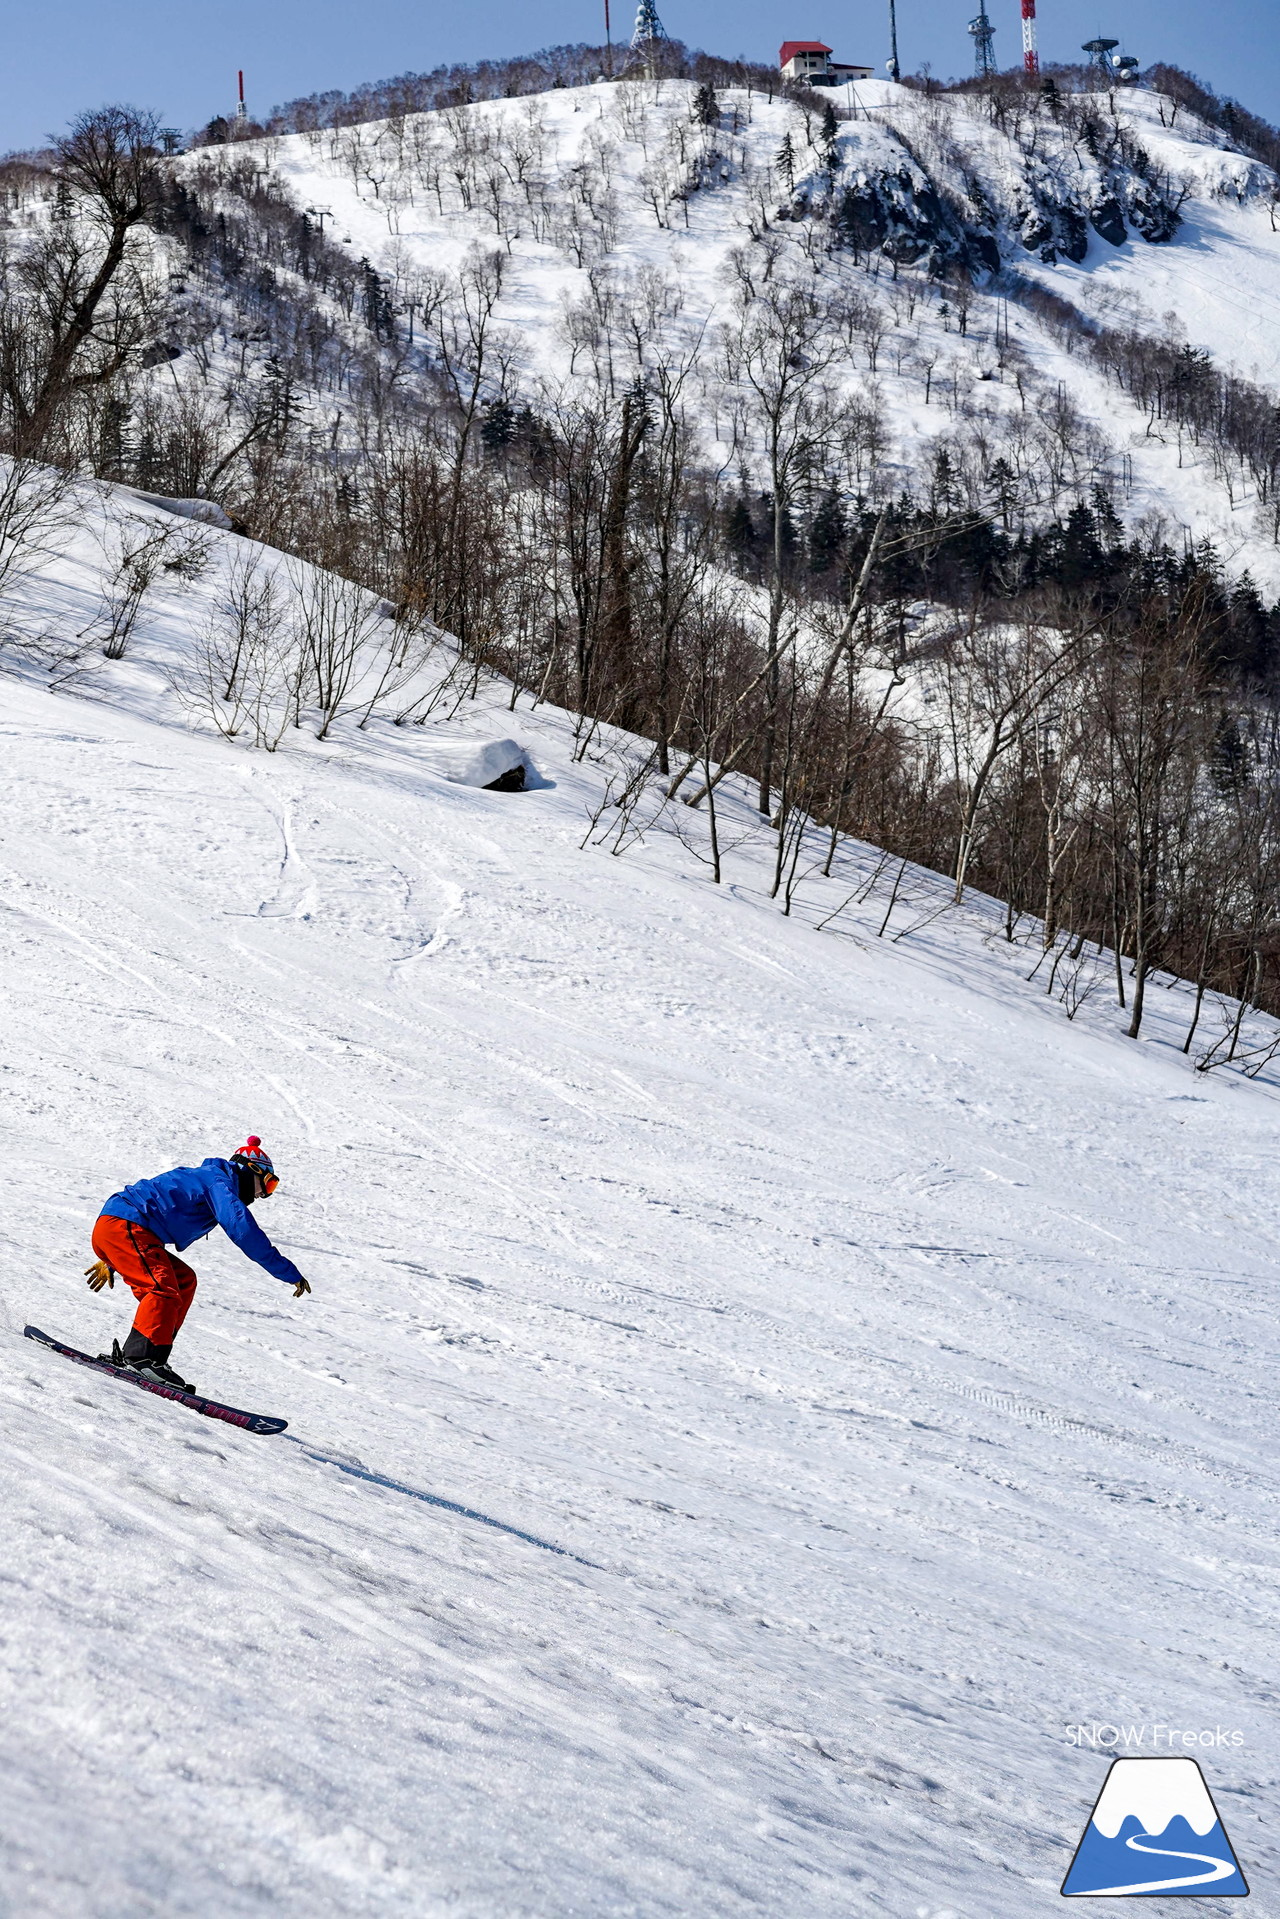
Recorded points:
(900,213)
(945,191)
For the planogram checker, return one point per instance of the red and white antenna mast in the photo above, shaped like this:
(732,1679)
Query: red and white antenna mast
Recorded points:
(242,115)
(1030,57)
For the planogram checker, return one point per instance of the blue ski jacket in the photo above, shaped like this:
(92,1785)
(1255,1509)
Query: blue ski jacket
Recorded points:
(182,1206)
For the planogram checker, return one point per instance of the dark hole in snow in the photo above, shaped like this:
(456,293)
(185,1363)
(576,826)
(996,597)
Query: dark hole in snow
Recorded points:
(511,782)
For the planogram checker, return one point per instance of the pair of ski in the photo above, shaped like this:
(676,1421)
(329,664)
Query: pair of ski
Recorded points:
(211,1408)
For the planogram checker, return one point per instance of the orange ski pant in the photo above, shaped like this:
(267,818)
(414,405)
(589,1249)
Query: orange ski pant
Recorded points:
(163,1285)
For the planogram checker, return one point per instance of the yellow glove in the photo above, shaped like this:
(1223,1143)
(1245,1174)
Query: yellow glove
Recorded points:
(99,1275)
(301,1288)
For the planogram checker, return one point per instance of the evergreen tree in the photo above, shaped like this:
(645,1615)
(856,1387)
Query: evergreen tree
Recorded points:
(283,405)
(1079,561)
(739,528)
(786,162)
(379,314)
(944,490)
(1106,519)
(826,532)
(706,109)
(114,449)
(497,429)
(1228,756)
(1003,482)
(1249,641)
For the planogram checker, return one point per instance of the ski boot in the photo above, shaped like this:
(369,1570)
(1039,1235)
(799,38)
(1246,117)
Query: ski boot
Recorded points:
(161,1373)
(151,1364)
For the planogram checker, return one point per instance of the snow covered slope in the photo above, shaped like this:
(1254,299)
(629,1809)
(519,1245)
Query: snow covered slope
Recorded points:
(866,1373)
(601,198)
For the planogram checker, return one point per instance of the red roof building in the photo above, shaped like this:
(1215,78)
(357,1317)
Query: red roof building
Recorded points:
(790,48)
(810,61)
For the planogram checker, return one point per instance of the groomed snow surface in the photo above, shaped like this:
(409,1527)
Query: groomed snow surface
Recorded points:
(890,1361)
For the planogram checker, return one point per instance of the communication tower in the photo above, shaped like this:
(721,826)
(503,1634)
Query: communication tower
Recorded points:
(241,110)
(984,55)
(649,31)
(1030,57)
(1117,66)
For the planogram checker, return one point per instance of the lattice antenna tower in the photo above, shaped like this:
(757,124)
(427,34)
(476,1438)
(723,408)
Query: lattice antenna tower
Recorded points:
(649,31)
(1030,57)
(984,52)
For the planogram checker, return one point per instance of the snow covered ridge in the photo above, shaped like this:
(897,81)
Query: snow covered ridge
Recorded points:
(305,274)
(607,201)
(857,1325)
(940,177)
(945,177)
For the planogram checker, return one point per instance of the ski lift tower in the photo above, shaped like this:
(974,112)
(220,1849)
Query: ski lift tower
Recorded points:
(648,34)
(984,34)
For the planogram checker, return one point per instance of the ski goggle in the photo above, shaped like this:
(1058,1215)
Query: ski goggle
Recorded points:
(269,1182)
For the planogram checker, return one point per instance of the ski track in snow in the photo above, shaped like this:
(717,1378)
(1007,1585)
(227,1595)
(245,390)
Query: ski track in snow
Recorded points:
(891,1361)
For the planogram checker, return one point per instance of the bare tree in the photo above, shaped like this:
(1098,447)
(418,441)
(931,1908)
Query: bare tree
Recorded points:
(1147,699)
(76,301)
(339,628)
(136,552)
(994,683)
(774,358)
(247,667)
(35,516)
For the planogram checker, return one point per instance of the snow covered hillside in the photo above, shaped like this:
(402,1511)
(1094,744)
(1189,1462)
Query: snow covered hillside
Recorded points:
(609,199)
(762,1386)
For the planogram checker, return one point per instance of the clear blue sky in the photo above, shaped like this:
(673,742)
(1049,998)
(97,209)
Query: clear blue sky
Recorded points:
(182,58)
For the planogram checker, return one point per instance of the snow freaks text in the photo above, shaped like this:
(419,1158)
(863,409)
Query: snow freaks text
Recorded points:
(1104,1736)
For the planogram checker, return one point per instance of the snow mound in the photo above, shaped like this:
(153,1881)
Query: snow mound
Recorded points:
(206,511)
(481,762)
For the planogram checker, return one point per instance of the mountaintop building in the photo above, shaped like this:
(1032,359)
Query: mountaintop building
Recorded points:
(810,61)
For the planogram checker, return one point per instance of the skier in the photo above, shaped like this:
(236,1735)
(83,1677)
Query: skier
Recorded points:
(137,1225)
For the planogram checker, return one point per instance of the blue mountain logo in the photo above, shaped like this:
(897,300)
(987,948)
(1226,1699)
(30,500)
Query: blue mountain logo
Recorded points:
(1154,1830)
